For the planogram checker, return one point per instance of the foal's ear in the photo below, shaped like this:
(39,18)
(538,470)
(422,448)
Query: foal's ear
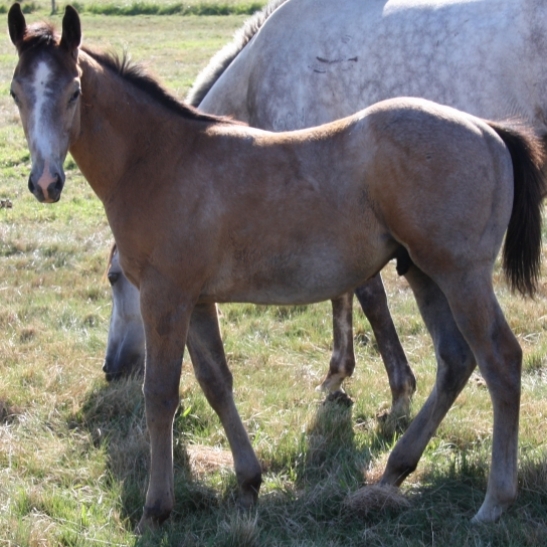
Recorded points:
(72,31)
(17,25)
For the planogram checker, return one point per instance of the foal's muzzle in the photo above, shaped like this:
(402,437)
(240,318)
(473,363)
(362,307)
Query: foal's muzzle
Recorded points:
(53,190)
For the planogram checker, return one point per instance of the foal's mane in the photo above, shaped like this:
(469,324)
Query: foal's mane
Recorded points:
(39,34)
(222,59)
(135,75)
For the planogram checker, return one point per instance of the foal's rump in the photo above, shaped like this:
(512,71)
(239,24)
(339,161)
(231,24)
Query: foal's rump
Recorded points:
(448,185)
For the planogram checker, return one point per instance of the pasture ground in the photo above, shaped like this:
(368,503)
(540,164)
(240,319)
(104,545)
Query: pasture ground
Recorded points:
(73,449)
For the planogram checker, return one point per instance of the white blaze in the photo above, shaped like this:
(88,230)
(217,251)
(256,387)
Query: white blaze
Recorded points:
(39,133)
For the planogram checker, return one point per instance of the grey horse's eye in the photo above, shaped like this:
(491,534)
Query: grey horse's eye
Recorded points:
(113,277)
(14,97)
(74,97)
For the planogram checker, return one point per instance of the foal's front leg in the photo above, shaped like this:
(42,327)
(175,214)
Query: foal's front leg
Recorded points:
(211,370)
(166,322)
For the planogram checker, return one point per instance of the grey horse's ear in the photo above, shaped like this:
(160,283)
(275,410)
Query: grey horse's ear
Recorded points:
(72,30)
(17,25)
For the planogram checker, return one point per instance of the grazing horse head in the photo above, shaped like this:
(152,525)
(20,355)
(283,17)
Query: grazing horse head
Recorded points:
(48,101)
(125,348)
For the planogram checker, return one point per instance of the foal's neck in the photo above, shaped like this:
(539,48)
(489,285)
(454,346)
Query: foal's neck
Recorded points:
(121,128)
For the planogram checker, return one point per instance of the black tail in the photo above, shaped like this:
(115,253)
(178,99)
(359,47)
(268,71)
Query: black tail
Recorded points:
(522,249)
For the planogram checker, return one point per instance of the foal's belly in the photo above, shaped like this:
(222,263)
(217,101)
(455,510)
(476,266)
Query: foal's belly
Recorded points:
(285,279)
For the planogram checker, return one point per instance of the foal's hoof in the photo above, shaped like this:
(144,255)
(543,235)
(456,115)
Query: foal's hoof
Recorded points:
(248,492)
(246,501)
(489,512)
(394,420)
(146,524)
(340,398)
(390,424)
(150,520)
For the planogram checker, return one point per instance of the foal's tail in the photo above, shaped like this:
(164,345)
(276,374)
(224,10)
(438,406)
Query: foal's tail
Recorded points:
(522,249)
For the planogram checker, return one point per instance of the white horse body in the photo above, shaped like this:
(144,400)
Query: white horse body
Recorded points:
(313,61)
(319,60)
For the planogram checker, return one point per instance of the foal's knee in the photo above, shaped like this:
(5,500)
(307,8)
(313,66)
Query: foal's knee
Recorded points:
(162,401)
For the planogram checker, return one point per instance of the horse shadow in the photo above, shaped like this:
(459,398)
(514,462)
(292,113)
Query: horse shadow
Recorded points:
(113,414)
(326,458)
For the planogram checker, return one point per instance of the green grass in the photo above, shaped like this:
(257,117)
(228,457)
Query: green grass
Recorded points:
(149,8)
(74,449)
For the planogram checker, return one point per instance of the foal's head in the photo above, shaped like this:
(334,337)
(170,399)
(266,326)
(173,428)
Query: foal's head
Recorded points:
(46,89)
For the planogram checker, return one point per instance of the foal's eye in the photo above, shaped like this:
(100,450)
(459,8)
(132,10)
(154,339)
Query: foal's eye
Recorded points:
(113,277)
(74,97)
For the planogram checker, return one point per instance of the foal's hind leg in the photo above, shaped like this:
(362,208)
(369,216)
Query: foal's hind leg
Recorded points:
(499,357)
(211,370)
(455,364)
(402,382)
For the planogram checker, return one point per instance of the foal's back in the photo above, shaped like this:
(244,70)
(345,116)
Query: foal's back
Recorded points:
(292,208)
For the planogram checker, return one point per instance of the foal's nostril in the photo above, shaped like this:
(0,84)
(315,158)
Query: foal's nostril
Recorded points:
(31,185)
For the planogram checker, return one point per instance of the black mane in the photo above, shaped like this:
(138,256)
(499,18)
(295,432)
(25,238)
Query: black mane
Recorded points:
(136,76)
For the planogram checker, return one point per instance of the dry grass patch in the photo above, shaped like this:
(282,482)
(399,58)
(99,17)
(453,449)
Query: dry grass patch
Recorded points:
(204,460)
(376,498)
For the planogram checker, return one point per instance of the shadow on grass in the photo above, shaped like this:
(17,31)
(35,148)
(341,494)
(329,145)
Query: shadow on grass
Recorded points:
(325,454)
(315,476)
(113,414)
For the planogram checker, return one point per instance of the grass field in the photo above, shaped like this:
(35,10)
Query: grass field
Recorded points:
(143,7)
(73,449)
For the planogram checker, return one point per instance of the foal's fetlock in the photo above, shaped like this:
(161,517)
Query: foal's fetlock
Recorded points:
(339,370)
(397,471)
(403,393)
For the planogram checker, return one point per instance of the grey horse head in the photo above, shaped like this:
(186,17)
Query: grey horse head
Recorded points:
(126,343)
